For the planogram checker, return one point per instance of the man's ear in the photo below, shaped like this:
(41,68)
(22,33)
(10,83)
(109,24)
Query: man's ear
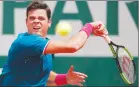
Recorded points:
(49,23)
(26,21)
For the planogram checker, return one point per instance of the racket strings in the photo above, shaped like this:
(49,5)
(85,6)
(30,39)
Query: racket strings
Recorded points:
(126,65)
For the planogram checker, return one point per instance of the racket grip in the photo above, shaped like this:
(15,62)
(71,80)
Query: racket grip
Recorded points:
(107,39)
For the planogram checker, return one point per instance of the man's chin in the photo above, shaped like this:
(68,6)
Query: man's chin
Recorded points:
(38,33)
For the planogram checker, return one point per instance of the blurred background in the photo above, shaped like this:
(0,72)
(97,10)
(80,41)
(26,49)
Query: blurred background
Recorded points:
(95,58)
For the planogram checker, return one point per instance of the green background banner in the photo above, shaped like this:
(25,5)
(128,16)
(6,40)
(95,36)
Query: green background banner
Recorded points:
(100,71)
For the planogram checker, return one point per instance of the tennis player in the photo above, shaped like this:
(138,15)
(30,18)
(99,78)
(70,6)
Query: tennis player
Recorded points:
(29,60)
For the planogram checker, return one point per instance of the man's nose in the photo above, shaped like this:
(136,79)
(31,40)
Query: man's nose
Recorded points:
(36,21)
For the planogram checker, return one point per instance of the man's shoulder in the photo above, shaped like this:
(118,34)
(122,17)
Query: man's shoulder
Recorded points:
(21,34)
(26,35)
(30,38)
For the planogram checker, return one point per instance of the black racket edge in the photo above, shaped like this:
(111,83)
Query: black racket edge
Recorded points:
(116,58)
(128,54)
(133,61)
(112,43)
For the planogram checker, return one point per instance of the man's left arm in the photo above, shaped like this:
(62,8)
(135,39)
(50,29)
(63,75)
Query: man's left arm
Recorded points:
(71,77)
(51,79)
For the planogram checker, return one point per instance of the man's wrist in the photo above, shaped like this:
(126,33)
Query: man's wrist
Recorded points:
(61,79)
(87,28)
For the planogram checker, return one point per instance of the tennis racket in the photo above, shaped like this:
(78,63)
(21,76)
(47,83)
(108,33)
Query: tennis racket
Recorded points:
(124,61)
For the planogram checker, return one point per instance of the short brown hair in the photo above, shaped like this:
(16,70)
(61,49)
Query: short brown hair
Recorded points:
(38,4)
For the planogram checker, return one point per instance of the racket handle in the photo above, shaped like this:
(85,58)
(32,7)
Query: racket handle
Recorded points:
(107,39)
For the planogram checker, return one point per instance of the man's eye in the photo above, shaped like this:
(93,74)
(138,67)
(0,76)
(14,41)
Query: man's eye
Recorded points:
(32,18)
(41,18)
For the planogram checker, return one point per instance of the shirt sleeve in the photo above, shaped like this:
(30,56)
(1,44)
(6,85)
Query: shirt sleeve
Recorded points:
(36,45)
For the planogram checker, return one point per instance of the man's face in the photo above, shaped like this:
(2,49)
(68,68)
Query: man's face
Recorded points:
(37,22)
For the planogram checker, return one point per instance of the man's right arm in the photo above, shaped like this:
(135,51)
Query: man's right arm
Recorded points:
(70,46)
(76,42)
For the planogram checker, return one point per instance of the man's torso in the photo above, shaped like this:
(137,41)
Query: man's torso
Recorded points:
(26,63)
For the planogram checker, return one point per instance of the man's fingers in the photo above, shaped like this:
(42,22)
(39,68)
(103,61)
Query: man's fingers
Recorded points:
(79,84)
(80,74)
(71,68)
(81,77)
(100,32)
(81,80)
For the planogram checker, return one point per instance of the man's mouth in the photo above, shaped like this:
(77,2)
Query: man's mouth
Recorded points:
(36,28)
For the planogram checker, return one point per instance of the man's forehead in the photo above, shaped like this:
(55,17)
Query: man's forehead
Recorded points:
(37,12)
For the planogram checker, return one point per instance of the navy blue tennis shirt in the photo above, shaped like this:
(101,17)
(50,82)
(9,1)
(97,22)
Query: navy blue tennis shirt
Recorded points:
(26,64)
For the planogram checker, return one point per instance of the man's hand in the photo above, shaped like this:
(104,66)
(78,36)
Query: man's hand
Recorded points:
(99,29)
(75,78)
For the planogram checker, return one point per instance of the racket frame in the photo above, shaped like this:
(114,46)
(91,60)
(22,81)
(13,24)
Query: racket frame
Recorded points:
(115,54)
